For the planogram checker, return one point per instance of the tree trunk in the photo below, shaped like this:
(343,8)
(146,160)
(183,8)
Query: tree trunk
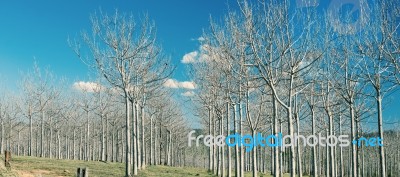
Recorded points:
(73,144)
(341,148)
(214,146)
(59,145)
(314,150)
(137,137)
(296,115)
(87,148)
(275,132)
(380,129)
(210,148)
(107,141)
(51,138)
(103,143)
(151,141)
(143,160)
(227,133)
(132,156)
(254,153)
(353,137)
(30,132)
(41,135)
(2,135)
(127,139)
(222,148)
(235,126)
(241,147)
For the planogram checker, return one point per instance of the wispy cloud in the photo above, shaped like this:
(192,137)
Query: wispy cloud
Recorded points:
(87,86)
(172,83)
(200,39)
(188,94)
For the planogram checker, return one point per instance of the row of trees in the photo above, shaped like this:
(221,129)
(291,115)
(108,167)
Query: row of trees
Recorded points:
(125,116)
(267,68)
(86,121)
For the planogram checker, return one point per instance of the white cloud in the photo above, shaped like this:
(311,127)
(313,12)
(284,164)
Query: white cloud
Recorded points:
(87,86)
(188,94)
(172,83)
(190,57)
(200,39)
(187,85)
(200,55)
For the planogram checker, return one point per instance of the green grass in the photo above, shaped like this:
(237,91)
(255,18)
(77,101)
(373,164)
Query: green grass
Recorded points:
(156,171)
(52,167)
(43,167)
(163,171)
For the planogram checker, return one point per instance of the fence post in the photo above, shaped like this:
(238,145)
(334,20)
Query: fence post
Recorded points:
(82,172)
(7,159)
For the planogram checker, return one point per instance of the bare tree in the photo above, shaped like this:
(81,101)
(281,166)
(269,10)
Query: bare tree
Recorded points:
(121,49)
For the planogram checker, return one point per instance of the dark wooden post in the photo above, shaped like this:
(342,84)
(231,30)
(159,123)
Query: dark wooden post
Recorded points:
(7,159)
(82,172)
(78,172)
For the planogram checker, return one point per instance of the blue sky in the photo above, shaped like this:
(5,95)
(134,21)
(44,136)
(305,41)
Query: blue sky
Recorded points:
(38,31)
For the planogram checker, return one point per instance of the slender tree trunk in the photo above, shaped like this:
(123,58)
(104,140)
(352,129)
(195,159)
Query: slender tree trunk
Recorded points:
(73,144)
(210,148)
(2,135)
(127,139)
(155,143)
(275,132)
(214,146)
(222,147)
(87,148)
(42,134)
(296,115)
(331,149)
(314,150)
(107,133)
(380,129)
(113,146)
(103,143)
(151,141)
(341,148)
(134,154)
(80,145)
(227,133)
(353,136)
(51,138)
(327,159)
(58,145)
(30,132)
(235,126)
(241,147)
(137,133)
(18,141)
(143,160)
(254,153)
(160,145)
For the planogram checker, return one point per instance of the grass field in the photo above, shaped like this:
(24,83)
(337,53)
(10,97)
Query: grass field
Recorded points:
(42,167)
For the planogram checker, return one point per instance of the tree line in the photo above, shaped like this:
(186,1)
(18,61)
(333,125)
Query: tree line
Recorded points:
(268,68)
